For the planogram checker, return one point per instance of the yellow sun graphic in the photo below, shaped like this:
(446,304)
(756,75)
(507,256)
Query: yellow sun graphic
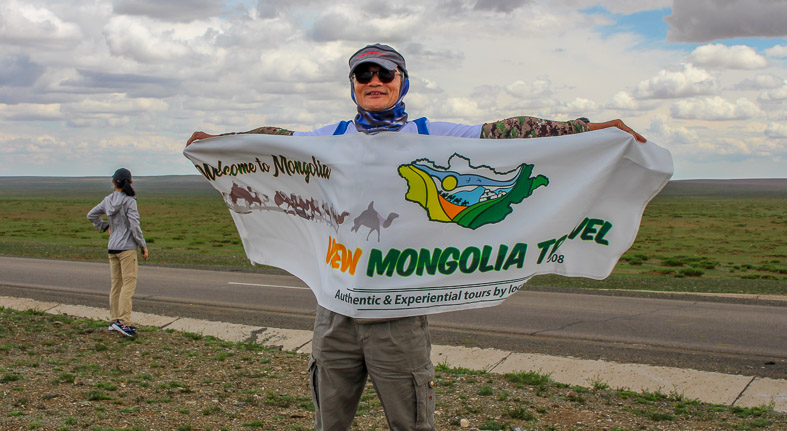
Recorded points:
(449,183)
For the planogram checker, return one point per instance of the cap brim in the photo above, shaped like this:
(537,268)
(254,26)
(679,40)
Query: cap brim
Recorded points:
(386,64)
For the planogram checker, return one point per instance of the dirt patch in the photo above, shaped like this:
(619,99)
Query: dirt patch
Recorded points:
(62,373)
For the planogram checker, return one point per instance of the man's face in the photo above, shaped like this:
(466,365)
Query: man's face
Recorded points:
(376,95)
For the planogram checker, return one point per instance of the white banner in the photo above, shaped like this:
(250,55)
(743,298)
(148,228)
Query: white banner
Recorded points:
(398,224)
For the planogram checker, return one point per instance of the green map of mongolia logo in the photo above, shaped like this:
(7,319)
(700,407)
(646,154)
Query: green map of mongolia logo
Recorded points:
(467,195)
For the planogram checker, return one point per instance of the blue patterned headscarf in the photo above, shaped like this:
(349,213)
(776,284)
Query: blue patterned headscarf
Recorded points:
(392,119)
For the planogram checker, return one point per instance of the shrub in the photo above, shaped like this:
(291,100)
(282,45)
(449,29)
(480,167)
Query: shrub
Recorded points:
(10,378)
(278,400)
(531,378)
(690,272)
(772,268)
(657,416)
(521,413)
(673,261)
(492,424)
(97,396)
(705,264)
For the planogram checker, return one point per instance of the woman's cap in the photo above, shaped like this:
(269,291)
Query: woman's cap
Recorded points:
(379,54)
(122,174)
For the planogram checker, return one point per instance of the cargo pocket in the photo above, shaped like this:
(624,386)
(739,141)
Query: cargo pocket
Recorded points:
(423,379)
(312,370)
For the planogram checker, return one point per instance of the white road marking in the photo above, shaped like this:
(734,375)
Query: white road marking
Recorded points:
(267,285)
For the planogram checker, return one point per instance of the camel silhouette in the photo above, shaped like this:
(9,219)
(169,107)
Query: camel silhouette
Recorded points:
(373,220)
(280,198)
(237,193)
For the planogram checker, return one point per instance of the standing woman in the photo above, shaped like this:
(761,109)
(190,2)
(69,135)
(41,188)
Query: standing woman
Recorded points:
(125,236)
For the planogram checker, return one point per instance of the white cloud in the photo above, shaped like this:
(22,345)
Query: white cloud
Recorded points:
(777,51)
(31,112)
(777,94)
(727,57)
(624,7)
(625,102)
(669,84)
(29,25)
(581,107)
(40,145)
(96,111)
(694,144)
(728,147)
(19,71)
(544,107)
(455,108)
(504,6)
(117,104)
(169,10)
(342,22)
(529,90)
(760,82)
(677,139)
(777,130)
(714,108)
(146,72)
(147,42)
(98,121)
(708,20)
(281,66)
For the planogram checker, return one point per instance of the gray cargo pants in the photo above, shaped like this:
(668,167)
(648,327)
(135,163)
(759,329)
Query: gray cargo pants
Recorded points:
(394,353)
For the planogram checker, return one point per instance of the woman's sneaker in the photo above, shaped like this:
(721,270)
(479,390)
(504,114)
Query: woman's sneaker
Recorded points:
(128,331)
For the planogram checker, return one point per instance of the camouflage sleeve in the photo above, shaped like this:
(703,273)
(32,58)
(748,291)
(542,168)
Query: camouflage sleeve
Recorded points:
(531,127)
(265,130)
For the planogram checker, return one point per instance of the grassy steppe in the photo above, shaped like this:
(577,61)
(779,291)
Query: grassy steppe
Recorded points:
(703,236)
(166,380)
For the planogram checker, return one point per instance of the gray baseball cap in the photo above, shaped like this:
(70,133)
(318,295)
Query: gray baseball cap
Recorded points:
(379,54)
(122,174)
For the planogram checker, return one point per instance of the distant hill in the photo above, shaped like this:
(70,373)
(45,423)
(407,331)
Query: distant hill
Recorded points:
(731,188)
(87,186)
(194,185)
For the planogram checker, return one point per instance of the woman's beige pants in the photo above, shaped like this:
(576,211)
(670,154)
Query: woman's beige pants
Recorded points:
(123,267)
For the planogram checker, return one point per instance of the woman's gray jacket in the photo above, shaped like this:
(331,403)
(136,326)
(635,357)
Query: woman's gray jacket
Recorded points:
(124,230)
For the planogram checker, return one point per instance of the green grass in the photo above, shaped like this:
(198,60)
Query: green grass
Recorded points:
(530,378)
(276,399)
(734,244)
(62,231)
(113,400)
(692,239)
(445,368)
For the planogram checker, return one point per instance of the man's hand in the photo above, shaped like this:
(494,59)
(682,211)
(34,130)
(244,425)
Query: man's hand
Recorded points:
(196,136)
(619,124)
(145,253)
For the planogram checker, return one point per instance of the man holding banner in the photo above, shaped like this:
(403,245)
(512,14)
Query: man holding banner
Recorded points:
(393,351)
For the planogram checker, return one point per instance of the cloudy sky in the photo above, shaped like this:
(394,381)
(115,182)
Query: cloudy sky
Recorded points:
(89,86)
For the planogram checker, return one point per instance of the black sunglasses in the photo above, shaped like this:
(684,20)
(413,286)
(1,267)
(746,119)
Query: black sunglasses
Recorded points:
(385,76)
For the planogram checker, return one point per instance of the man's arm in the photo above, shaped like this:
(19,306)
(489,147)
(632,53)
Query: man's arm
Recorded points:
(619,124)
(265,130)
(531,127)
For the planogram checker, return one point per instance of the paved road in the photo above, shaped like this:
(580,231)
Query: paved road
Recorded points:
(691,333)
